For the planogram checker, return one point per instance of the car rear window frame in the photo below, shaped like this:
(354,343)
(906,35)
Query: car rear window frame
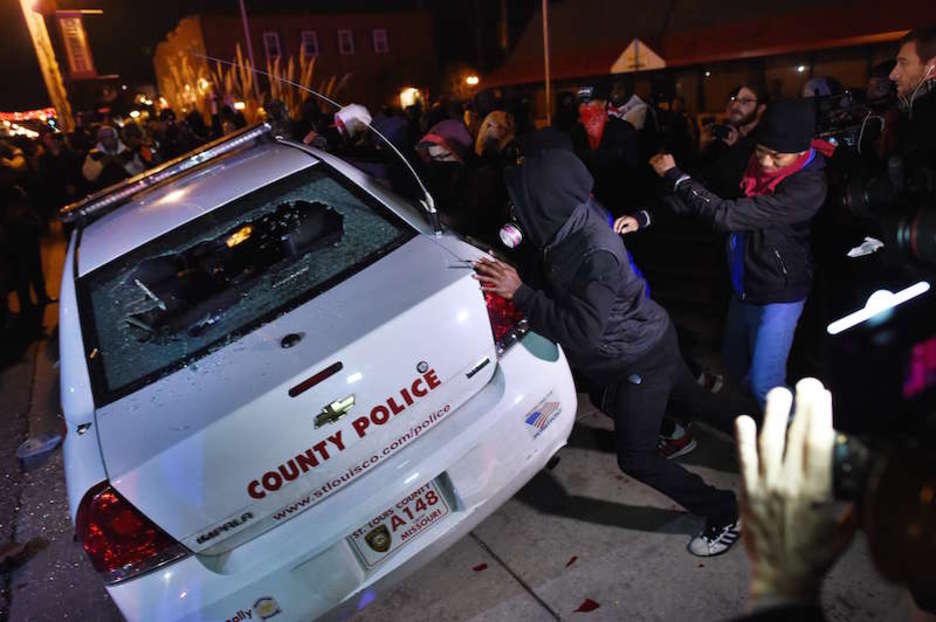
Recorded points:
(102,394)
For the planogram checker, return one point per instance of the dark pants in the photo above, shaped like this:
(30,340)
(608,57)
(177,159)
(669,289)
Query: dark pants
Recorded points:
(27,268)
(637,403)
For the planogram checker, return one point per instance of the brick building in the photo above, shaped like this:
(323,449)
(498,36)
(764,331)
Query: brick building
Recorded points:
(383,52)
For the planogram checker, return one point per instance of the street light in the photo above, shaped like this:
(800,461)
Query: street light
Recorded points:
(472,80)
(408,97)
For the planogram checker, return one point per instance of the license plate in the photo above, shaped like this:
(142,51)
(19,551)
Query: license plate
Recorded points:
(399,525)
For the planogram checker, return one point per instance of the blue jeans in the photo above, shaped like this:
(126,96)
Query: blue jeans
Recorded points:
(757,343)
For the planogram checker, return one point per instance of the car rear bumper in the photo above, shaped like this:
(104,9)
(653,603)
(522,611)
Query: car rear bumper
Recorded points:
(484,453)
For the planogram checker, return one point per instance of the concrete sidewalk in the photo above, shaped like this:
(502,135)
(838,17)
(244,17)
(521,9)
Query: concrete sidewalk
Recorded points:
(56,581)
(585,532)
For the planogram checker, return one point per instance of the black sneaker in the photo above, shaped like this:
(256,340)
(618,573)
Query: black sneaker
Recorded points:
(715,539)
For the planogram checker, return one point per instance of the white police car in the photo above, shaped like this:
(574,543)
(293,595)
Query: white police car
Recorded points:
(283,389)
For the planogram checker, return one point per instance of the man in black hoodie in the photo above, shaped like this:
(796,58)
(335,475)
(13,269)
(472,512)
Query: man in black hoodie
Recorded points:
(614,335)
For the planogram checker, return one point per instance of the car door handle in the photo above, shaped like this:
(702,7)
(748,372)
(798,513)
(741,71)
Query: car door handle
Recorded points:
(310,382)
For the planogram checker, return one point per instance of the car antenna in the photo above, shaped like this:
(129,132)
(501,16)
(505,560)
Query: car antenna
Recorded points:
(427,201)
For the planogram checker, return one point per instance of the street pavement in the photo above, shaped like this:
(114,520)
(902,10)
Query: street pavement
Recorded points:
(580,541)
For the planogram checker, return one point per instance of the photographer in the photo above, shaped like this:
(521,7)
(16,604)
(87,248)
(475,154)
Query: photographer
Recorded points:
(915,76)
(891,194)
(727,148)
(616,337)
(769,240)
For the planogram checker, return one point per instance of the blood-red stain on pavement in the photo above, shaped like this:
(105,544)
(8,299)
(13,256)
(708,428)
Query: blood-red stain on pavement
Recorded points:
(587,605)
(480,567)
(571,560)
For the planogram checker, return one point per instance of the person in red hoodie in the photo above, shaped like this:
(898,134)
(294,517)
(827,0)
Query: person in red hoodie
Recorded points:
(769,230)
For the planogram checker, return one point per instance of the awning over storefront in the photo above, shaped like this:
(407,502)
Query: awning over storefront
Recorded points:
(600,37)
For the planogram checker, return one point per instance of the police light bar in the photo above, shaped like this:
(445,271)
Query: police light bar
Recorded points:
(879,302)
(99,203)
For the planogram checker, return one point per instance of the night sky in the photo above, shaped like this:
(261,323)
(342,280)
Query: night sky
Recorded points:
(123,39)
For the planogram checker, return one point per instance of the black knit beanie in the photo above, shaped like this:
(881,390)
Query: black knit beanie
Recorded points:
(788,125)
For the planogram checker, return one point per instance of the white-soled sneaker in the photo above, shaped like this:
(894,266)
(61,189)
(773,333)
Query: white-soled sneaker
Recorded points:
(679,443)
(715,539)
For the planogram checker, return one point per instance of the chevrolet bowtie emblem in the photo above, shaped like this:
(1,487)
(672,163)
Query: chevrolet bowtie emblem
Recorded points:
(334,411)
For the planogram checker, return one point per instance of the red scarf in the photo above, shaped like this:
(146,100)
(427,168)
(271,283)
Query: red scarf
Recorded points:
(824,147)
(756,182)
(593,118)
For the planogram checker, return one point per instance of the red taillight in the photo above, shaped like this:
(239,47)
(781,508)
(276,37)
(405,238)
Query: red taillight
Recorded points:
(120,541)
(507,322)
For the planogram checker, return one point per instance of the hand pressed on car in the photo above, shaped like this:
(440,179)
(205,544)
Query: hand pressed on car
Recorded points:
(497,277)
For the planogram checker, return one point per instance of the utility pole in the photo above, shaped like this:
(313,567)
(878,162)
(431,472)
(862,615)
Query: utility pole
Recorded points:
(546,59)
(250,54)
(51,74)
(479,34)
(504,28)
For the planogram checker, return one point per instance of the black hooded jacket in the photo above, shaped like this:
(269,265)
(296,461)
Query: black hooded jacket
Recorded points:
(592,303)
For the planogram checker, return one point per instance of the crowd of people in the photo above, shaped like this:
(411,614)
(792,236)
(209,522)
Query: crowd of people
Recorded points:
(761,179)
(558,203)
(38,176)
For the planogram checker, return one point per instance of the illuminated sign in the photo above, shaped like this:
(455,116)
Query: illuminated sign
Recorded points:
(80,63)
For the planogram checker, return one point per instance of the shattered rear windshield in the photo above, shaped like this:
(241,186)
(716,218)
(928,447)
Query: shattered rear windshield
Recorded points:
(202,285)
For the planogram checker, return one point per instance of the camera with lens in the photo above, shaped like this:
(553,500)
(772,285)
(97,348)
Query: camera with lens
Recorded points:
(852,119)
(883,381)
(905,213)
(882,358)
(898,199)
(720,131)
